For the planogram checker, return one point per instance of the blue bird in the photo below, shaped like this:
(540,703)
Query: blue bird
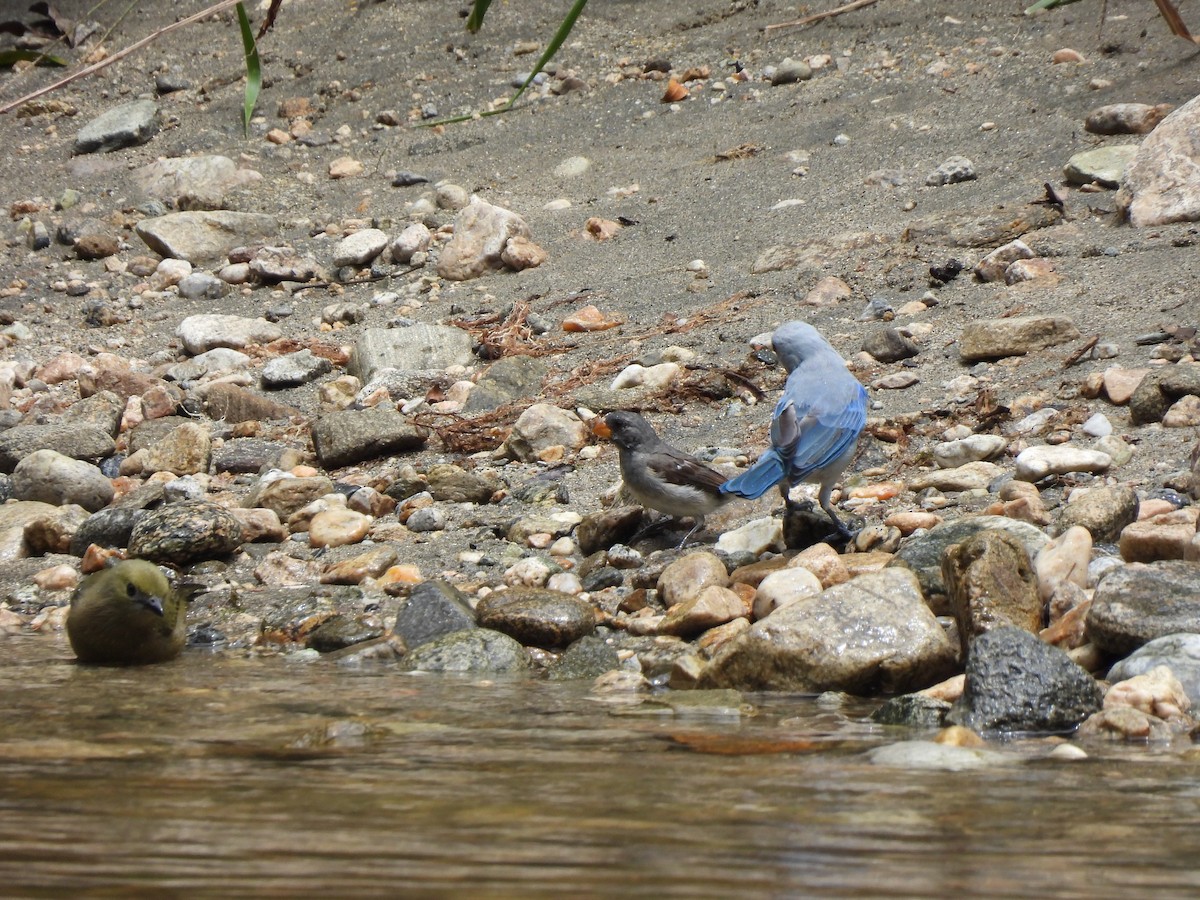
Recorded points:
(815,426)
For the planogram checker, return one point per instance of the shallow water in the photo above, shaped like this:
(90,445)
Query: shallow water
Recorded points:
(227,777)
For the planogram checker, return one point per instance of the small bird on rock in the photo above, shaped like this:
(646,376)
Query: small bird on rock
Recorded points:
(816,423)
(127,615)
(661,477)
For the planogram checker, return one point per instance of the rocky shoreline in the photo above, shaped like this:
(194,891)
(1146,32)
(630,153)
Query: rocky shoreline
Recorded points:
(367,439)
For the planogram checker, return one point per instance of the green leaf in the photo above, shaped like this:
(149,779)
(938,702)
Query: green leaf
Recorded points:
(253,69)
(11,57)
(475,20)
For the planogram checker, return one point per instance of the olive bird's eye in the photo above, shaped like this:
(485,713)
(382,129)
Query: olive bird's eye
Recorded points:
(130,589)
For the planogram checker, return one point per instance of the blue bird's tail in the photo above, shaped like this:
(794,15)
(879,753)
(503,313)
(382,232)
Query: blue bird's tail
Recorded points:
(759,478)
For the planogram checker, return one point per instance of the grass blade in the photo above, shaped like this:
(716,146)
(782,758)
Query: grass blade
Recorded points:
(557,41)
(475,20)
(253,69)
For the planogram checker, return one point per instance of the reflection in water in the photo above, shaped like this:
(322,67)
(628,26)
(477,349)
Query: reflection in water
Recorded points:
(227,777)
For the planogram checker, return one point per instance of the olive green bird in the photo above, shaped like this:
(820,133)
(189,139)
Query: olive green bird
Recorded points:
(127,615)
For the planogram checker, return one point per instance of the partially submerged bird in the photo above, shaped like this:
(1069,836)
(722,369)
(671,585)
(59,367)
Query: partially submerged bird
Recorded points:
(661,477)
(127,615)
(816,423)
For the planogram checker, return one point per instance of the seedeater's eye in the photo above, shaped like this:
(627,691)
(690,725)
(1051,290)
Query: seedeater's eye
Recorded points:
(130,589)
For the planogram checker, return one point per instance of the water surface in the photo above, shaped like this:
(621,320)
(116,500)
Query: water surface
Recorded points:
(226,777)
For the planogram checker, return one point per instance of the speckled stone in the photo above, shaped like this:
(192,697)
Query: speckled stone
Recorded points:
(186,532)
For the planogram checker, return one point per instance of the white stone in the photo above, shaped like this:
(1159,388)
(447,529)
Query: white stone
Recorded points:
(968,449)
(756,537)
(784,588)
(1035,463)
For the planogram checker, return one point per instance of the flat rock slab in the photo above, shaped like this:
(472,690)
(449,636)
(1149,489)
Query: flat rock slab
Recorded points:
(123,126)
(351,435)
(204,236)
(412,348)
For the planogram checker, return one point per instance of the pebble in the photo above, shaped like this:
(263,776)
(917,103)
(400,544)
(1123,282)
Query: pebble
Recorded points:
(713,606)
(685,578)
(294,369)
(756,537)
(415,238)
(955,169)
(1036,463)
(537,617)
(782,588)
(974,448)
(1125,118)
(122,126)
(337,526)
(360,248)
(1064,559)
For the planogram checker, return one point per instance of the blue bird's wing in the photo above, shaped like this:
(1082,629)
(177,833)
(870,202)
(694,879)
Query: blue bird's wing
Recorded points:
(812,434)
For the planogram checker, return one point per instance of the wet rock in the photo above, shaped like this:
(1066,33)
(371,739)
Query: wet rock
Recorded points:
(990,582)
(1140,602)
(601,530)
(542,427)
(294,369)
(588,657)
(348,436)
(481,234)
(872,634)
(341,631)
(1015,682)
(713,606)
(783,588)
(204,236)
(1156,692)
(684,579)
(1160,388)
(537,617)
(478,650)
(69,439)
(186,532)
(1016,336)
(1125,118)
(193,182)
(1103,511)
(1104,165)
(1127,724)
(412,348)
(360,248)
(974,448)
(506,380)
(923,553)
(1179,653)
(888,345)
(1162,183)
(123,126)
(929,755)
(51,477)
(105,528)
(912,711)
(204,332)
(1036,463)
(432,610)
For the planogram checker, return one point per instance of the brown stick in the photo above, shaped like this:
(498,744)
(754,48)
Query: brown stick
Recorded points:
(120,54)
(817,17)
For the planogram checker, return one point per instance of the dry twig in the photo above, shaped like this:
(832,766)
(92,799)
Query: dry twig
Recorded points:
(817,17)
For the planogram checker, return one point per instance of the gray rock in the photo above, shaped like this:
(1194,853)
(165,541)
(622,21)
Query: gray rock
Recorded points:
(508,379)
(542,426)
(341,631)
(1140,602)
(193,182)
(888,345)
(272,265)
(348,436)
(71,439)
(998,338)
(1125,118)
(455,484)
(105,528)
(199,236)
(247,455)
(360,248)
(973,448)
(426,520)
(1104,511)
(1160,388)
(601,530)
(790,71)
(912,711)
(934,756)
(202,286)
(1162,184)
(186,532)
(433,609)
(476,650)
(51,477)
(1104,165)
(588,657)
(415,238)
(923,553)
(954,170)
(412,348)
(123,126)
(537,617)
(294,369)
(206,331)
(870,635)
(1017,682)
(1178,652)
(990,582)
(232,404)
(481,233)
